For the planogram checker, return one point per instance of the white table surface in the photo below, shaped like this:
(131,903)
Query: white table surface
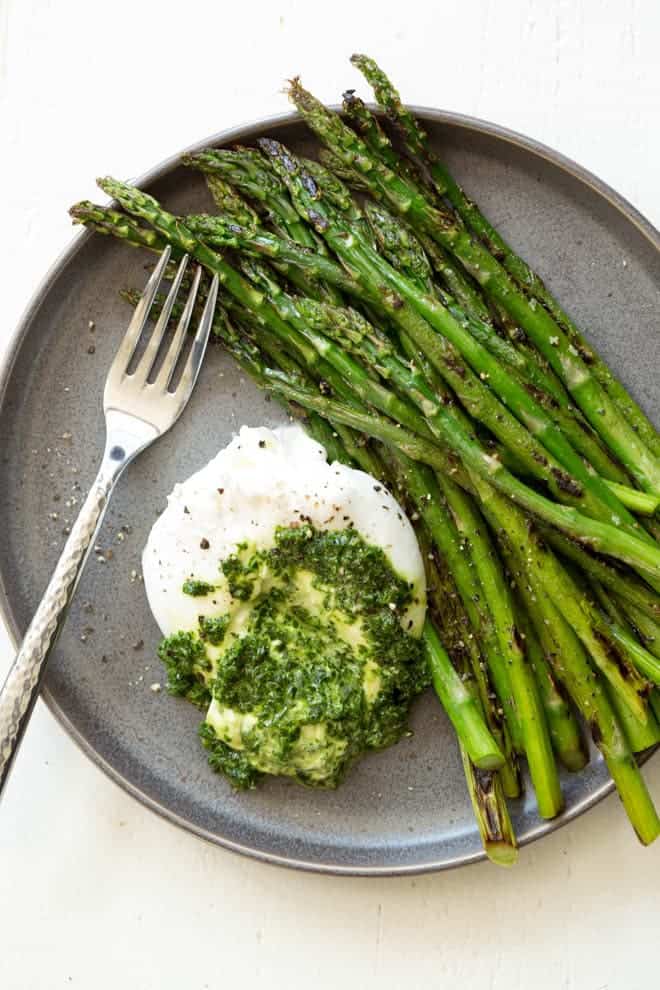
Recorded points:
(95,891)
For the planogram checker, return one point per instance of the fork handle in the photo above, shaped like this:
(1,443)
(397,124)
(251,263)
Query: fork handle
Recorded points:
(23,681)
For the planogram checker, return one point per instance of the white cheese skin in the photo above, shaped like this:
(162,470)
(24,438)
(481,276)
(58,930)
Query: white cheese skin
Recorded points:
(262,480)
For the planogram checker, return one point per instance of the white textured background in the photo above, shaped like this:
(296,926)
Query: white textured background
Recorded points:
(94,890)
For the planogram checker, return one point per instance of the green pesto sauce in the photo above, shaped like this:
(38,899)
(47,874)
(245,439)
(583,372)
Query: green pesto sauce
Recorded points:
(240,575)
(320,671)
(187,666)
(213,630)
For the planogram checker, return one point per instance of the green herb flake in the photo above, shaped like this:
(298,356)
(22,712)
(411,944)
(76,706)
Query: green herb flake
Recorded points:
(196,588)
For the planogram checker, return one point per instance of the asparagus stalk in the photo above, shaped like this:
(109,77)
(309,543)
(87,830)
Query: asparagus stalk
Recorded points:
(105,220)
(357,450)
(245,169)
(368,127)
(625,585)
(343,440)
(569,661)
(270,315)
(215,231)
(646,628)
(640,737)
(489,805)
(611,656)
(329,438)
(485,788)
(597,535)
(445,185)
(514,519)
(518,686)
(109,221)
(359,332)
(547,335)
(459,283)
(177,233)
(456,517)
(643,503)
(248,172)
(242,292)
(218,233)
(461,707)
(348,176)
(634,592)
(230,203)
(335,440)
(594,495)
(527,704)
(479,639)
(339,196)
(567,739)
(654,702)
(399,245)
(238,211)
(647,664)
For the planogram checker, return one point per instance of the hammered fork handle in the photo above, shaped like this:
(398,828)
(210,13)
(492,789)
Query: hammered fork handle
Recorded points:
(21,687)
(137,412)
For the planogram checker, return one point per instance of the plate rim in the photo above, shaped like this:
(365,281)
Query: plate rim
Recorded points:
(242,132)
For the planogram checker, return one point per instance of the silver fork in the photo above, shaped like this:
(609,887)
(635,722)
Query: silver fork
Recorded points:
(137,411)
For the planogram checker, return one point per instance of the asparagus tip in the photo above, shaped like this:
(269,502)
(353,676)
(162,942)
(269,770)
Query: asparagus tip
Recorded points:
(290,85)
(273,149)
(300,96)
(104,182)
(78,210)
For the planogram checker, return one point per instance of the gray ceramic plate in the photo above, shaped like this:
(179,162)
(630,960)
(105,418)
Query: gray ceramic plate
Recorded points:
(401,811)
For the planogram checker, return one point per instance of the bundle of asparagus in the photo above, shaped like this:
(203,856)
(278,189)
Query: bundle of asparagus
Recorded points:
(418,346)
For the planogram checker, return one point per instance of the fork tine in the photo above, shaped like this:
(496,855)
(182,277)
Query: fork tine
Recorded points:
(148,359)
(169,362)
(140,316)
(194,359)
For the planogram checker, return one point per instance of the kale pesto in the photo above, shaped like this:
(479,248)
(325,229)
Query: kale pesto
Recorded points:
(186,664)
(213,630)
(319,668)
(240,575)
